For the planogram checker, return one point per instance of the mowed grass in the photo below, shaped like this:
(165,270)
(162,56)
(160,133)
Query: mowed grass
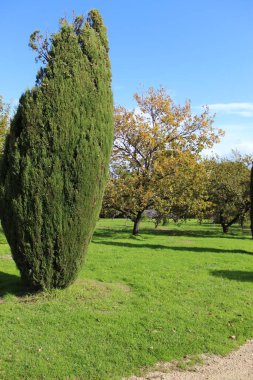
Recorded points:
(138,300)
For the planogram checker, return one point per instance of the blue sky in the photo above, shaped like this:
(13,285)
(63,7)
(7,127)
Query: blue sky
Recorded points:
(199,50)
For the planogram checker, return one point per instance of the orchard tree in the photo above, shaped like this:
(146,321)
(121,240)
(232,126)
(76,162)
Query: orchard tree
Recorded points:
(57,154)
(151,143)
(177,190)
(185,193)
(251,199)
(4,122)
(229,190)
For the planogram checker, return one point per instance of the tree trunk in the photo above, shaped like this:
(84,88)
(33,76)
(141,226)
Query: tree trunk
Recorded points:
(156,223)
(225,228)
(236,219)
(137,223)
(223,223)
(165,221)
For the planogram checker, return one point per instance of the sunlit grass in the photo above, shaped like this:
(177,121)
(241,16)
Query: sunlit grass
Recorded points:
(138,300)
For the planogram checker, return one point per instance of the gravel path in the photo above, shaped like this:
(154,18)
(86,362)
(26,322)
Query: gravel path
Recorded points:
(238,365)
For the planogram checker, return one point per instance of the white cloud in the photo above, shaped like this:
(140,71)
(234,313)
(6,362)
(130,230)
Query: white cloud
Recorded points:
(225,147)
(237,137)
(240,109)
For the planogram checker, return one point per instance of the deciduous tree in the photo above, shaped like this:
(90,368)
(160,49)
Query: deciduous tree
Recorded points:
(153,144)
(229,190)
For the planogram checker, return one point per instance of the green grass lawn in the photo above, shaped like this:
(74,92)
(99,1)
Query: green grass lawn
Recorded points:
(138,300)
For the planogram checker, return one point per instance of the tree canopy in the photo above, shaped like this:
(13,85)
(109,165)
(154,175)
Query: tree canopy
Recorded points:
(156,146)
(229,189)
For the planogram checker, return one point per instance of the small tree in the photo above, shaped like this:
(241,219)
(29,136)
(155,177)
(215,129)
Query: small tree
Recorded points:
(151,145)
(4,122)
(57,154)
(229,190)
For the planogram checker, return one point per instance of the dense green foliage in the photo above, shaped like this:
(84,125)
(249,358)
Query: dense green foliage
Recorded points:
(57,154)
(166,294)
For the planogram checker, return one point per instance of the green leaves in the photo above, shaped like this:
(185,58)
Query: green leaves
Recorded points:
(229,188)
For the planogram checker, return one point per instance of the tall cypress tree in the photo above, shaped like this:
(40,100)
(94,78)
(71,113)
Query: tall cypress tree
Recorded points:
(57,155)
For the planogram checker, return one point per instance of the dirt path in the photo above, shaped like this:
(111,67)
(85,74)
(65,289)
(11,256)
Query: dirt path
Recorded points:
(238,365)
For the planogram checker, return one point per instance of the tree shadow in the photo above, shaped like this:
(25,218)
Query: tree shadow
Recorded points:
(12,284)
(214,232)
(207,230)
(107,233)
(130,245)
(236,275)
(171,248)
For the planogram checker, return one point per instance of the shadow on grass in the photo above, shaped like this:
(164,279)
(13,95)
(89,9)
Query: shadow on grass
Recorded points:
(214,232)
(237,275)
(204,232)
(12,284)
(171,248)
